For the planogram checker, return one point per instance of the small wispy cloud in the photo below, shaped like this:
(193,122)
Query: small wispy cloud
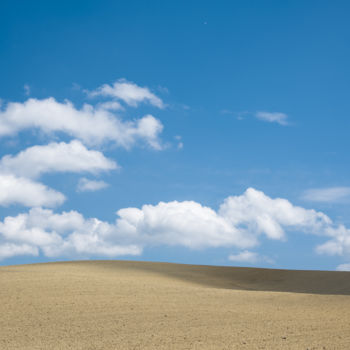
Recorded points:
(244,256)
(26,88)
(239,115)
(128,92)
(249,257)
(111,106)
(180,144)
(75,87)
(86,185)
(226,111)
(273,117)
(270,117)
(327,195)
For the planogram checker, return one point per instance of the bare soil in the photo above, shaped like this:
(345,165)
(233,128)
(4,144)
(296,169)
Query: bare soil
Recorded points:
(92,305)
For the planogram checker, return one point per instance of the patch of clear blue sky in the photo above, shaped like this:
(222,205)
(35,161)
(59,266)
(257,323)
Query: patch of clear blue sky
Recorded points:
(234,56)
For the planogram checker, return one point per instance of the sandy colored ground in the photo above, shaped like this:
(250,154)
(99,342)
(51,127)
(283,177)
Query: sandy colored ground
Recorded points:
(138,305)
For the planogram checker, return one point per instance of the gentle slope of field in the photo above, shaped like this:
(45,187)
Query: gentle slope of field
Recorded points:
(140,305)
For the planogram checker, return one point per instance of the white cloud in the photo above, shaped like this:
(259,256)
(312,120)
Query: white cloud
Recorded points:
(339,244)
(56,157)
(249,257)
(148,129)
(9,250)
(254,212)
(280,118)
(239,222)
(129,93)
(86,185)
(186,224)
(343,267)
(327,195)
(19,190)
(245,256)
(111,105)
(66,234)
(89,124)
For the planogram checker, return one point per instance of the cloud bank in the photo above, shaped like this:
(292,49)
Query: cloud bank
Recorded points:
(240,222)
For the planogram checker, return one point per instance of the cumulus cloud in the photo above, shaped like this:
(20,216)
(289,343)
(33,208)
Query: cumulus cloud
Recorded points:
(129,93)
(8,250)
(275,117)
(23,191)
(92,125)
(327,195)
(255,212)
(148,128)
(339,244)
(239,222)
(86,185)
(186,224)
(56,157)
(88,125)
(66,234)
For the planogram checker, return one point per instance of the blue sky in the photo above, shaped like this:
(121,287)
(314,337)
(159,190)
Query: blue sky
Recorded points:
(218,131)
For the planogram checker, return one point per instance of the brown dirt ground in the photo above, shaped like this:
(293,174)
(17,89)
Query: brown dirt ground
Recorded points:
(139,305)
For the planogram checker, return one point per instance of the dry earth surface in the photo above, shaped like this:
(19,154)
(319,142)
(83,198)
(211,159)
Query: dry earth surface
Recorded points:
(141,305)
